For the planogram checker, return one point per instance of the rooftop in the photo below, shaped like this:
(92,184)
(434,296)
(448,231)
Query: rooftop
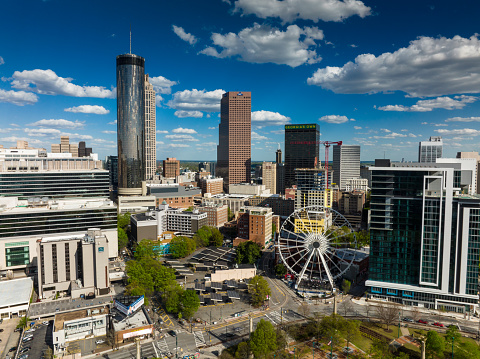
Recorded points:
(45,204)
(136,320)
(61,318)
(15,291)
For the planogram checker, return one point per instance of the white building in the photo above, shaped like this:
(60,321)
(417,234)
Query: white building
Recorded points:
(15,297)
(429,151)
(356,184)
(346,164)
(249,189)
(150,131)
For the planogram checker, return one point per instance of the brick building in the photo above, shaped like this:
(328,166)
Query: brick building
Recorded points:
(217,214)
(171,167)
(255,224)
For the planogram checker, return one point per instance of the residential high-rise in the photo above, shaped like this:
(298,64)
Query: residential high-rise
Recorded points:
(131,123)
(301,149)
(150,131)
(429,151)
(346,164)
(425,235)
(171,167)
(234,145)
(269,176)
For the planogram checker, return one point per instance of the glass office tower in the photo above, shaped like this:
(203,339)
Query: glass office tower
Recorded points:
(130,123)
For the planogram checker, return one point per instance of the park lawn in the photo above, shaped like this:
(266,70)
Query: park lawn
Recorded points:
(380,329)
(362,342)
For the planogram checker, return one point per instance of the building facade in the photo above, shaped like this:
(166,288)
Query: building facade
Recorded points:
(346,164)
(301,149)
(74,264)
(131,123)
(255,224)
(269,176)
(217,214)
(174,195)
(234,145)
(211,185)
(150,131)
(311,188)
(424,236)
(429,151)
(171,167)
(280,206)
(66,147)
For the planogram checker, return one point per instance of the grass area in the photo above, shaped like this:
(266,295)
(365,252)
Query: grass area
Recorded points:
(412,347)
(362,343)
(381,329)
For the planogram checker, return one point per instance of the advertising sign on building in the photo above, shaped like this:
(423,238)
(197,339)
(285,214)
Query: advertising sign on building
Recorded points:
(127,310)
(137,333)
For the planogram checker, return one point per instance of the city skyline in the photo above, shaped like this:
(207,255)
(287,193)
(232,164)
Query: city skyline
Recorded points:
(353,68)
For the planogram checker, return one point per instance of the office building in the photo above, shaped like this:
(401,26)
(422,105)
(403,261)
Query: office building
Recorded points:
(75,264)
(130,123)
(278,156)
(137,324)
(83,151)
(249,189)
(233,201)
(280,206)
(346,164)
(255,224)
(26,221)
(211,185)
(111,165)
(136,204)
(311,188)
(476,157)
(174,195)
(424,235)
(65,147)
(185,222)
(280,178)
(150,131)
(207,167)
(356,184)
(15,297)
(217,214)
(269,176)
(301,149)
(171,167)
(429,151)
(234,144)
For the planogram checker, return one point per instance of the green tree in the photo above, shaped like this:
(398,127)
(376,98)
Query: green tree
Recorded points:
(230,214)
(217,238)
(274,229)
(280,270)
(243,351)
(23,322)
(172,297)
(202,237)
(248,252)
(263,340)
(180,247)
(453,334)
(346,284)
(331,327)
(467,350)
(380,350)
(435,344)
(190,302)
(146,249)
(122,238)
(258,289)
(350,330)
(123,221)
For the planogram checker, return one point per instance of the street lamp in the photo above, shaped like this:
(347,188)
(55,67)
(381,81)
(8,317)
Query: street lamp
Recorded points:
(453,340)
(313,350)
(399,324)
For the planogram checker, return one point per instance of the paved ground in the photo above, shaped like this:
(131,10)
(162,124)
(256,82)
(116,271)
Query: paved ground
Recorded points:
(42,337)
(8,337)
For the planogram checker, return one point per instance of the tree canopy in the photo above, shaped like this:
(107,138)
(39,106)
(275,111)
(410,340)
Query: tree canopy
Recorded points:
(123,222)
(435,344)
(208,236)
(263,340)
(258,289)
(180,247)
(248,252)
(280,270)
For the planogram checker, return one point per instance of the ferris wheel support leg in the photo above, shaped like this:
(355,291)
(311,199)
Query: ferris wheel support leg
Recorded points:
(327,270)
(300,276)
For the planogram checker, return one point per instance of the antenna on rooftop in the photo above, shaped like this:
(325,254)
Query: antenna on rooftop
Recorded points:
(130,39)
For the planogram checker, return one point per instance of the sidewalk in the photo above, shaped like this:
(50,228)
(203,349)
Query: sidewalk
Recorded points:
(363,301)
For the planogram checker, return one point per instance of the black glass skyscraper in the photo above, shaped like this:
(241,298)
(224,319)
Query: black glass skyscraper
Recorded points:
(130,123)
(301,149)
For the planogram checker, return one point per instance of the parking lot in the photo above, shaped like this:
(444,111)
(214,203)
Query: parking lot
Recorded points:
(8,337)
(85,346)
(42,338)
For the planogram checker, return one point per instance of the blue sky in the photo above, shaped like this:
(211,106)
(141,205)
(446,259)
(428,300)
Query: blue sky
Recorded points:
(381,74)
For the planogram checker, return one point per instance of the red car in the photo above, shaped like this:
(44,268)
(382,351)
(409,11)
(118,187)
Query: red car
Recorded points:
(437,324)
(422,321)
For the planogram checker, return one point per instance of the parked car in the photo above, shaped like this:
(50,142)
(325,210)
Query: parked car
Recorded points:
(407,319)
(437,324)
(24,356)
(172,333)
(12,349)
(1,330)
(422,321)
(18,330)
(24,350)
(46,323)
(30,335)
(27,339)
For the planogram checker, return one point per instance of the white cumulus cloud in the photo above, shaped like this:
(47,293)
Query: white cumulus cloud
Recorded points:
(184,130)
(212,128)
(463,119)
(185,36)
(196,100)
(269,118)
(47,82)
(261,44)
(357,127)
(42,131)
(446,103)
(18,98)
(257,137)
(177,145)
(162,131)
(95,109)
(390,135)
(162,85)
(184,114)
(315,10)
(459,132)
(110,132)
(188,138)
(113,122)
(2,61)
(335,119)
(60,123)
(428,67)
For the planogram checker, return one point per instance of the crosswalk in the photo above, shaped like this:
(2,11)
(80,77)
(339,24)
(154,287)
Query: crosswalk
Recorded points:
(163,347)
(199,339)
(274,317)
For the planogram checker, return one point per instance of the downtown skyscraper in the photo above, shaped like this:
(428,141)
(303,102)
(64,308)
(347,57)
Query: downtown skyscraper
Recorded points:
(234,155)
(301,149)
(150,131)
(130,123)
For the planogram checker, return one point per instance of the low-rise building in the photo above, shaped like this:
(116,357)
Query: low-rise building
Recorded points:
(135,204)
(233,201)
(174,195)
(279,205)
(77,325)
(243,271)
(217,214)
(248,189)
(74,264)
(15,297)
(356,184)
(255,224)
(211,185)
(185,222)
(130,319)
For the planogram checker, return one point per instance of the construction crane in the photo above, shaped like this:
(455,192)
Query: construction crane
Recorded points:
(327,145)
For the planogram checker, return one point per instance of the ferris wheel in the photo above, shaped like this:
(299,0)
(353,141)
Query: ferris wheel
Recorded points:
(314,244)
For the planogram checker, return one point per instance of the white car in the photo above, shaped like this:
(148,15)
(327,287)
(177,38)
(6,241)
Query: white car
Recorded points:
(99,341)
(46,323)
